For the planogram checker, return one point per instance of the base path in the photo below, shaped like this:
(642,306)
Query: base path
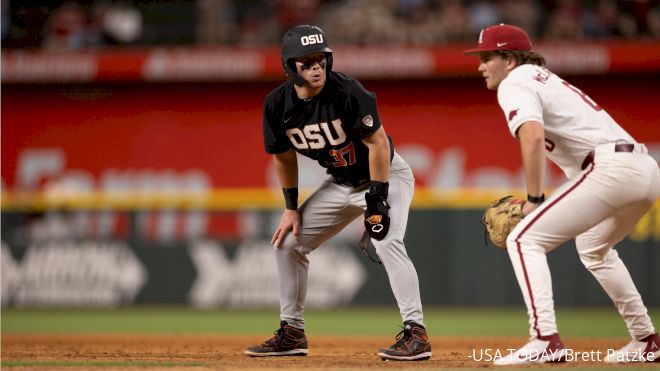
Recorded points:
(213,352)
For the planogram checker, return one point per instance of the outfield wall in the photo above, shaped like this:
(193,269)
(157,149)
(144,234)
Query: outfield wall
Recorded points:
(46,264)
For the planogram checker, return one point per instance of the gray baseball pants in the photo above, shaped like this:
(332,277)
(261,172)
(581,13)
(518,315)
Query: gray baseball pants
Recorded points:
(324,214)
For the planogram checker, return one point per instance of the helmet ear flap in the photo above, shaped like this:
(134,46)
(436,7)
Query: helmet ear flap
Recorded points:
(329,60)
(291,73)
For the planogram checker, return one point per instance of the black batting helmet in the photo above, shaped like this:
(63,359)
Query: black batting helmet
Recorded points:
(300,41)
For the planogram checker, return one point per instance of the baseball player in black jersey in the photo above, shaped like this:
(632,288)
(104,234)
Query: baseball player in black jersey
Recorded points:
(332,118)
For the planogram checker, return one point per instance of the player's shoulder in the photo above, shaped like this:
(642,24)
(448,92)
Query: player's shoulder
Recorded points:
(347,84)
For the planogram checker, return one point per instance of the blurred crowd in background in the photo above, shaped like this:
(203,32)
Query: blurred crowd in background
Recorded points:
(75,25)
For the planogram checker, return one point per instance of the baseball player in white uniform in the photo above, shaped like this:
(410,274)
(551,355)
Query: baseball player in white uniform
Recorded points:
(612,183)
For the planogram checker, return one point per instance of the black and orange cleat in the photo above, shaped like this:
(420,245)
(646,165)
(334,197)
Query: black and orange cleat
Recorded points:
(288,341)
(412,345)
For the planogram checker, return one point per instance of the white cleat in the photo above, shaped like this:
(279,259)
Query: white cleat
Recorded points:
(543,349)
(645,350)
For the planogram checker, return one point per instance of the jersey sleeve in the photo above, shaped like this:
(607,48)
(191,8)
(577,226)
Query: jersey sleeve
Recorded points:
(275,139)
(520,104)
(362,104)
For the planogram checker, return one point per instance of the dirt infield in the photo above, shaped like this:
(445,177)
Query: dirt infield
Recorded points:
(201,352)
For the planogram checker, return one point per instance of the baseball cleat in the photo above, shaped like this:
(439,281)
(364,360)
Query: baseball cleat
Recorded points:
(412,345)
(544,349)
(288,341)
(645,350)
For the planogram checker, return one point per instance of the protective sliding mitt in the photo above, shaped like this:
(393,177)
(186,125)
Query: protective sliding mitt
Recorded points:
(376,218)
(501,217)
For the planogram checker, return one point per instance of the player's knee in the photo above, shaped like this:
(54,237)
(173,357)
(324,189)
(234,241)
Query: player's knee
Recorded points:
(392,242)
(302,246)
(517,237)
(511,242)
(515,244)
(598,259)
(591,261)
(289,244)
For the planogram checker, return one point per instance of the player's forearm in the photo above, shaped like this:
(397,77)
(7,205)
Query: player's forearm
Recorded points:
(286,168)
(379,165)
(379,156)
(532,147)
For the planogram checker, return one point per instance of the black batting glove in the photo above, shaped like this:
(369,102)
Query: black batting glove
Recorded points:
(376,219)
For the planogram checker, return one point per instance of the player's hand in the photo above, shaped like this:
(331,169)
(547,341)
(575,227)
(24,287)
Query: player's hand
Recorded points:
(528,207)
(376,218)
(290,221)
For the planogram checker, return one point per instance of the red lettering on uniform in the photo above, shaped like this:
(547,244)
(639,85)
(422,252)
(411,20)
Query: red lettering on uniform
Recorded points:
(542,75)
(339,159)
(549,145)
(339,155)
(351,153)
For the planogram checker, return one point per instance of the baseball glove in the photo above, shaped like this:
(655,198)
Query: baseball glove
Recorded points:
(501,217)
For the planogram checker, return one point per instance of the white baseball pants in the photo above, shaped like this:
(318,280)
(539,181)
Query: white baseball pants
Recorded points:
(598,208)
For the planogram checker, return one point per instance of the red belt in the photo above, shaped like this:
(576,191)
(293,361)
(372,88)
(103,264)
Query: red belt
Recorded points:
(627,147)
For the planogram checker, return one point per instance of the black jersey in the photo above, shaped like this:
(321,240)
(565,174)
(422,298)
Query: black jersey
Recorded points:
(328,127)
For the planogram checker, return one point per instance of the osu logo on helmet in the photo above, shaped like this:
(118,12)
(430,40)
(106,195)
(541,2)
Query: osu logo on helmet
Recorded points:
(311,39)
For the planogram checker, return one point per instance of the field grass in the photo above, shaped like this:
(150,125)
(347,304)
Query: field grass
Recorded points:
(592,322)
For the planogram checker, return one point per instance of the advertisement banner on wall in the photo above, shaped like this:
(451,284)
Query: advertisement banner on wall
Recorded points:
(201,137)
(453,264)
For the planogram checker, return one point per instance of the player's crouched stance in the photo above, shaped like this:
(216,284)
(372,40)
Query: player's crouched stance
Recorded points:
(332,118)
(612,183)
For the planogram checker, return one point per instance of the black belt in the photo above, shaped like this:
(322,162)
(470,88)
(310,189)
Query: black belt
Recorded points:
(624,147)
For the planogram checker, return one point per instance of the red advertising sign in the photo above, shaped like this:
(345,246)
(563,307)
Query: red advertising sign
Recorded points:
(208,136)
